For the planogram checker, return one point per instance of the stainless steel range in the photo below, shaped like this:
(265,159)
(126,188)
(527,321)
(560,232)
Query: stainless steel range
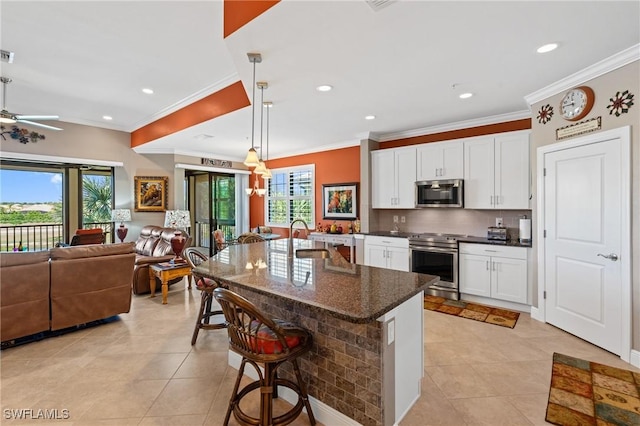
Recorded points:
(437,254)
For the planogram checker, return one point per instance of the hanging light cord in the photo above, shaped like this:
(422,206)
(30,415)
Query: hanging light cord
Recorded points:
(253,103)
(261,117)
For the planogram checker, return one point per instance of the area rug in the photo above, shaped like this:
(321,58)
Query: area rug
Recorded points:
(588,393)
(474,311)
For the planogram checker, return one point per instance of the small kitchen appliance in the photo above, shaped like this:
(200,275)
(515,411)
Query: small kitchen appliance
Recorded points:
(525,230)
(497,233)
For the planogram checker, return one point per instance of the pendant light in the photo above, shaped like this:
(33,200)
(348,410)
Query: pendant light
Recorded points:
(267,174)
(252,159)
(261,168)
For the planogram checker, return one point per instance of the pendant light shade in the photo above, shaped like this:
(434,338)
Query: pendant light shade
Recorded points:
(260,169)
(252,159)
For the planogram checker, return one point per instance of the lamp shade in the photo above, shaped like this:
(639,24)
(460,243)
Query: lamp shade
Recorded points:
(177,219)
(121,215)
(252,159)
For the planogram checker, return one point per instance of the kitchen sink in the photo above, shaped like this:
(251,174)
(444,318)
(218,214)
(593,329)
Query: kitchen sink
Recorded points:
(312,253)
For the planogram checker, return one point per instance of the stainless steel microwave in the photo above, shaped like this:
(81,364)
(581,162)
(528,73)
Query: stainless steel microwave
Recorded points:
(440,193)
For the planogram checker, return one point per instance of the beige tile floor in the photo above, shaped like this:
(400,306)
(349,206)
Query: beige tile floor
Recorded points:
(142,370)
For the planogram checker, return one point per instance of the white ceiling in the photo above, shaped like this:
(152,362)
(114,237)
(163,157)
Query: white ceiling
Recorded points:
(405,64)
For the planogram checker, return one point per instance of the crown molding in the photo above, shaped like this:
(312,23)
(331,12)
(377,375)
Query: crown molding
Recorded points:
(609,64)
(206,91)
(476,122)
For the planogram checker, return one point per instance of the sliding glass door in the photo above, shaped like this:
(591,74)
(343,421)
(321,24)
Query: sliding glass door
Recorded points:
(212,198)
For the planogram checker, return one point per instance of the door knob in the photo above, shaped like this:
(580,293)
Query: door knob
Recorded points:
(611,256)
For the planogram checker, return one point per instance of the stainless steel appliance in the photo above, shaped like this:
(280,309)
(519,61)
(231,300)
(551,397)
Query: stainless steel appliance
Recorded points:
(497,233)
(440,193)
(437,254)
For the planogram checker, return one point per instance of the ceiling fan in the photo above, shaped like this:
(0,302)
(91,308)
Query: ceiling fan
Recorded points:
(7,117)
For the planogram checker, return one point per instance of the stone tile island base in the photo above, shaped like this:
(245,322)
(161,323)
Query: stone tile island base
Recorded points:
(366,374)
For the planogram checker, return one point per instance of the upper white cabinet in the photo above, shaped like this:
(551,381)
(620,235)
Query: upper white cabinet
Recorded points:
(393,178)
(440,160)
(496,172)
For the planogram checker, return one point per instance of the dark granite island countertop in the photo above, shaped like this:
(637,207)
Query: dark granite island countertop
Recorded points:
(366,364)
(355,293)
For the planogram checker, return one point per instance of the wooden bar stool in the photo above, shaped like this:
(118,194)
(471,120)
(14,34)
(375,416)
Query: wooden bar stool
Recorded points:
(206,286)
(270,343)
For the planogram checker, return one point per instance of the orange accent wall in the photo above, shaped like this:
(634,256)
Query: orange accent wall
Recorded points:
(509,126)
(335,166)
(229,99)
(237,13)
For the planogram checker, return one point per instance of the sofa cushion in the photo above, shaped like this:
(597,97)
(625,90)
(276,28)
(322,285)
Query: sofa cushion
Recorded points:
(91,250)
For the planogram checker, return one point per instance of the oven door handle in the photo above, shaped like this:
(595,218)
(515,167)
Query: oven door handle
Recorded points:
(433,249)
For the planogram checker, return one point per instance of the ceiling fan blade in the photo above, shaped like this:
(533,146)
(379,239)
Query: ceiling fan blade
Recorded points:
(37,117)
(44,126)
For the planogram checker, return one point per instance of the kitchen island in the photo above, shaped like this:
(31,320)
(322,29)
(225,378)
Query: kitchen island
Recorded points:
(367,363)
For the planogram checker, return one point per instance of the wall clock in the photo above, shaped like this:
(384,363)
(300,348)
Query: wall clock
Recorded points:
(577,103)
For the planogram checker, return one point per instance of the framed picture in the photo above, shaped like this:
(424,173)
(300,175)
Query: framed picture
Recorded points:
(340,201)
(150,193)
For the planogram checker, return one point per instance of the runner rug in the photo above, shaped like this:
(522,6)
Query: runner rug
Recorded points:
(588,393)
(474,311)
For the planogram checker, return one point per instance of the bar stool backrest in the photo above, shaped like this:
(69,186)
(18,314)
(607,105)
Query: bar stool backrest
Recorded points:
(250,331)
(250,237)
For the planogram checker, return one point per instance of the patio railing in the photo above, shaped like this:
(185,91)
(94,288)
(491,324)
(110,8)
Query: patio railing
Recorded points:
(42,236)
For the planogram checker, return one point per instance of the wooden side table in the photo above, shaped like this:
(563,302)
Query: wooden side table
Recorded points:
(167,273)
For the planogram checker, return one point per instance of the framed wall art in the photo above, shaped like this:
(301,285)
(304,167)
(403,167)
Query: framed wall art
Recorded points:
(340,201)
(150,193)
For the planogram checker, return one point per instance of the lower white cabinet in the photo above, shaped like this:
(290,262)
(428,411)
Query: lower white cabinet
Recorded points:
(386,252)
(499,272)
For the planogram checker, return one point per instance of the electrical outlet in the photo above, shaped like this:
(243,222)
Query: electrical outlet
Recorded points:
(395,218)
(499,222)
(403,219)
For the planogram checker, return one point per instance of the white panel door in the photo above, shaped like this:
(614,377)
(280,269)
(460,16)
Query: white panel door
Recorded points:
(429,162)
(405,178)
(398,259)
(475,274)
(582,210)
(452,160)
(375,256)
(382,178)
(479,170)
(512,172)
(509,279)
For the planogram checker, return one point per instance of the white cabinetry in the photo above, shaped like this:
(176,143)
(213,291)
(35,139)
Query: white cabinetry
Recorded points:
(346,240)
(386,252)
(440,160)
(393,177)
(499,272)
(496,172)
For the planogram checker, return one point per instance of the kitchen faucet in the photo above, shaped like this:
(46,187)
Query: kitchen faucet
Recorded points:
(290,252)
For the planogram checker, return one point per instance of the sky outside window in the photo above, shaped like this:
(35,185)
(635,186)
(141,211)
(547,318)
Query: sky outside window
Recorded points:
(17,186)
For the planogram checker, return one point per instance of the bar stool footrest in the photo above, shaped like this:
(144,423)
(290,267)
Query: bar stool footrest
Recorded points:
(282,419)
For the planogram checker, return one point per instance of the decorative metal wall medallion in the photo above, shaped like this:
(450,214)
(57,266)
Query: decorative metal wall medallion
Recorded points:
(21,135)
(620,103)
(545,114)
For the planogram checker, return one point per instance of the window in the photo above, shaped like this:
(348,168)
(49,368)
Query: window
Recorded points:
(290,196)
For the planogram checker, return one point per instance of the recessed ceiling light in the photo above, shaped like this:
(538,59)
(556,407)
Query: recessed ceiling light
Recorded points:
(107,117)
(466,95)
(370,117)
(147,91)
(547,48)
(324,88)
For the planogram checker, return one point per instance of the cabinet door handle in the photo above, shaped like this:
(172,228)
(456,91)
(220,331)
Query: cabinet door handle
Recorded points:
(487,265)
(442,172)
(497,200)
(491,199)
(493,266)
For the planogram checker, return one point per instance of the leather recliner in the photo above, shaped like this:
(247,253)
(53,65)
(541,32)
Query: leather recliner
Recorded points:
(153,246)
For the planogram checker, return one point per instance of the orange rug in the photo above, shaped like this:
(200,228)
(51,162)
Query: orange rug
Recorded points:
(474,311)
(588,393)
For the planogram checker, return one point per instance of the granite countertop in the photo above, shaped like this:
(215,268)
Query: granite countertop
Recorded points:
(467,239)
(484,240)
(333,286)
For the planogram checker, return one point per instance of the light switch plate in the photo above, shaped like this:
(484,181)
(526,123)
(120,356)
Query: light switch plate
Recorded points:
(395,218)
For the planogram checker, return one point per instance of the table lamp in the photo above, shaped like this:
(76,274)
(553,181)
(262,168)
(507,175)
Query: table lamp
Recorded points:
(177,219)
(122,216)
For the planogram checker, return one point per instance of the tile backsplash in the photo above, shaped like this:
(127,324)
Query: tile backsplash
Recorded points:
(448,220)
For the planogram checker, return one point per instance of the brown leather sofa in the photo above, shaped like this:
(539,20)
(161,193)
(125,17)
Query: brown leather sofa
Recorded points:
(63,287)
(152,246)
